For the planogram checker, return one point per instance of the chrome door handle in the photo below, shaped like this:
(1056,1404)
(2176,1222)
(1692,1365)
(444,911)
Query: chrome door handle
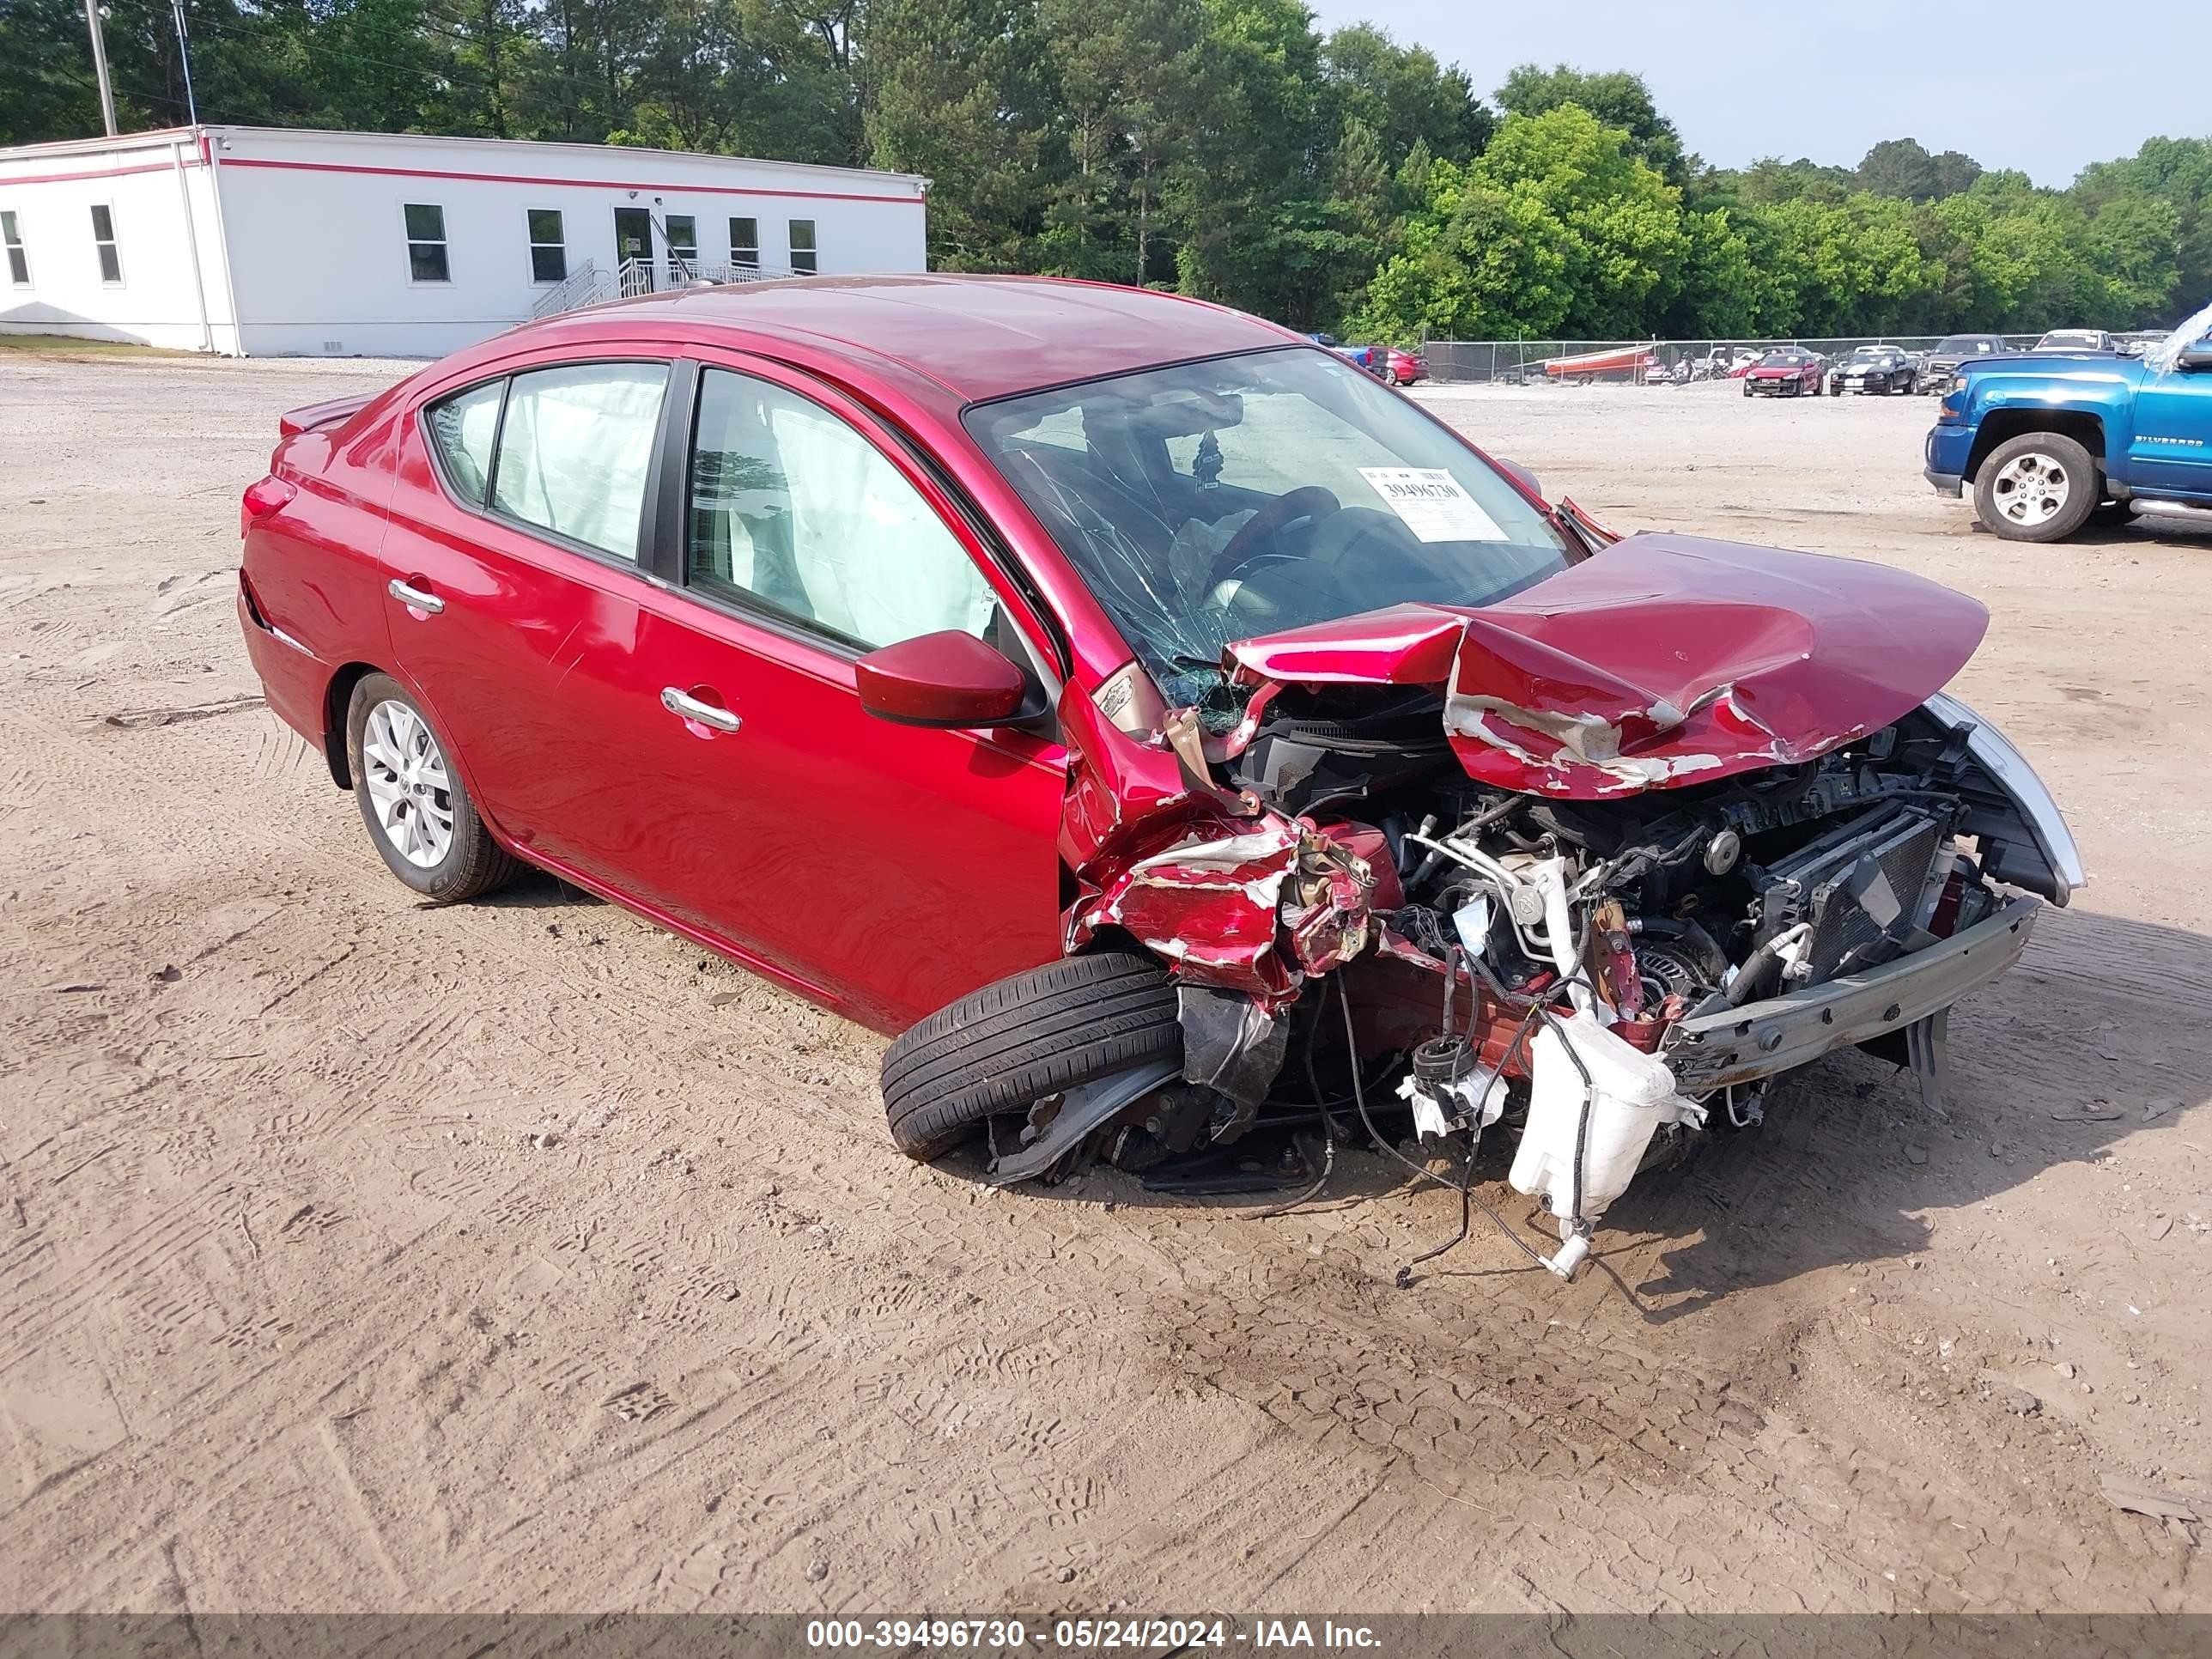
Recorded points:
(690,708)
(415,596)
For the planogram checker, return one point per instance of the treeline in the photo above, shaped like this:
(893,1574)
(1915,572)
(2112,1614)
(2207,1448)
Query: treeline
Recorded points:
(1225,148)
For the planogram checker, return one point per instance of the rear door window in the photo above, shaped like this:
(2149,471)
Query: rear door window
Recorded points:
(575,446)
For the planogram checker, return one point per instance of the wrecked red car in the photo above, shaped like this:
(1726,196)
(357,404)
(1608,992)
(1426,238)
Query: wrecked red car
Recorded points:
(1197,753)
(1789,373)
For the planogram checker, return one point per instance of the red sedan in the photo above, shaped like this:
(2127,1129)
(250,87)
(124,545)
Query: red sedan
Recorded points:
(1786,373)
(1147,714)
(1405,367)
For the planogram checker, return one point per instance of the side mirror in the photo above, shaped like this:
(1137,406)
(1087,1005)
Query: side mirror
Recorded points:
(2198,357)
(947,679)
(1521,476)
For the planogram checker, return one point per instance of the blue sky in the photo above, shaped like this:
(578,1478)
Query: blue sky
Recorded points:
(2044,86)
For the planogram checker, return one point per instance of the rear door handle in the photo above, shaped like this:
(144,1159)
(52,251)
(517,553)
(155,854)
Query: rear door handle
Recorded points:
(683,706)
(415,598)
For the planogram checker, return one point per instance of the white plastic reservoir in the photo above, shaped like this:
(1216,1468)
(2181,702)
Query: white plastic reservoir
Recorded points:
(1634,1094)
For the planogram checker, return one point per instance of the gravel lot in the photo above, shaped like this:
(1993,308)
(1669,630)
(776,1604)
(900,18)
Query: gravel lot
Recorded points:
(359,1256)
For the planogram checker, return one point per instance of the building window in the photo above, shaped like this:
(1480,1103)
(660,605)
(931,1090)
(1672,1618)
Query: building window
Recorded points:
(548,252)
(426,244)
(103,239)
(802,244)
(744,242)
(19,262)
(684,241)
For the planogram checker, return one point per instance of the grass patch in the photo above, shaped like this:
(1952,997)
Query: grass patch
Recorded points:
(70,345)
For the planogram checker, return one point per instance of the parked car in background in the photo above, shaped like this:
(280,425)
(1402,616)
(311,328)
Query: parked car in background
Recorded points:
(2047,442)
(1878,368)
(1097,688)
(1369,357)
(1722,362)
(1792,372)
(2138,341)
(1942,361)
(2075,339)
(1405,367)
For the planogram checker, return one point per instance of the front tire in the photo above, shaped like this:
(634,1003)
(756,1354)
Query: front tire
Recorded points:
(1009,1045)
(2039,487)
(411,797)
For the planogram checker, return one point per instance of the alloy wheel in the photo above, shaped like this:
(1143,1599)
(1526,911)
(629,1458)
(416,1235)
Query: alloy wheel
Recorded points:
(408,784)
(2031,489)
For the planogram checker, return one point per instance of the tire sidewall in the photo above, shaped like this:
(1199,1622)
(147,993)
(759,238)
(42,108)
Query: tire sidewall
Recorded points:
(2086,487)
(440,880)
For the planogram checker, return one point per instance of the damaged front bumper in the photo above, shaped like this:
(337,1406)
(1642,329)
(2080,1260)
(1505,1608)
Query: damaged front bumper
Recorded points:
(1762,1039)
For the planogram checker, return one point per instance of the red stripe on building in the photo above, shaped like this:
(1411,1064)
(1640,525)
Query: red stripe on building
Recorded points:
(572,184)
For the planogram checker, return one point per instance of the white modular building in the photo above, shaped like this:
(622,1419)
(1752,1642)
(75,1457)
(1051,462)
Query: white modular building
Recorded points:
(283,241)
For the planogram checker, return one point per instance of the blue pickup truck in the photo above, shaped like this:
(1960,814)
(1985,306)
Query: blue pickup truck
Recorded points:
(2049,439)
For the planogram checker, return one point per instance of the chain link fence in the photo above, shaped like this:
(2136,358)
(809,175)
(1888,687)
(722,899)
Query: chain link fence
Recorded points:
(1514,362)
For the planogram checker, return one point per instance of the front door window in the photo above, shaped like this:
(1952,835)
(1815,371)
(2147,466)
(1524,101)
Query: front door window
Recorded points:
(793,509)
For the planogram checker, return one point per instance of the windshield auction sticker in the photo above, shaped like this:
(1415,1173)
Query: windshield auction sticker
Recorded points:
(1433,505)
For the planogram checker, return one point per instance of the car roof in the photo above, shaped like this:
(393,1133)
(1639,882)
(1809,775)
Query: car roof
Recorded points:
(974,336)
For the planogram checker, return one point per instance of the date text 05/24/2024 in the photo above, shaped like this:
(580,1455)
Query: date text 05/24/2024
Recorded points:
(1089,1635)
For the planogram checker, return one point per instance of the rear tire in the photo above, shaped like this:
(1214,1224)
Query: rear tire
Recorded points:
(2039,487)
(417,809)
(1033,1034)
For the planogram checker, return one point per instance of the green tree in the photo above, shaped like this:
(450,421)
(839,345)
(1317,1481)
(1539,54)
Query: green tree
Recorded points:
(957,95)
(1557,228)
(1618,98)
(1902,168)
(1402,95)
(1132,75)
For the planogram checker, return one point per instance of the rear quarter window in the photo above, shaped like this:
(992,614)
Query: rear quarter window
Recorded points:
(462,429)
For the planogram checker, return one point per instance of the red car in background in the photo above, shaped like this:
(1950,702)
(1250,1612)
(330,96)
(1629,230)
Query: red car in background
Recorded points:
(1405,367)
(1789,373)
(1149,716)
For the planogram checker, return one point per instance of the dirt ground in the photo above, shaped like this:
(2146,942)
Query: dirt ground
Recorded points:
(355,1254)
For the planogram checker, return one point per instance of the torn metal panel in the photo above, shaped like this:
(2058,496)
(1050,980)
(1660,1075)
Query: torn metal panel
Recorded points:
(1326,912)
(1230,1042)
(1209,906)
(1597,535)
(1114,783)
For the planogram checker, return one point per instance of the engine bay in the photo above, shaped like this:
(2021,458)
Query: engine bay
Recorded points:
(1465,960)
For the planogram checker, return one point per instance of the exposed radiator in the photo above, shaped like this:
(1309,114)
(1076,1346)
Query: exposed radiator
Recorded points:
(1864,888)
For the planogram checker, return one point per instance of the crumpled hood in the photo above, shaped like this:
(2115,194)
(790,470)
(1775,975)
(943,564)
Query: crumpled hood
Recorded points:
(1663,660)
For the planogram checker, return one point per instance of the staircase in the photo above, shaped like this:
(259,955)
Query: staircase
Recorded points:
(589,285)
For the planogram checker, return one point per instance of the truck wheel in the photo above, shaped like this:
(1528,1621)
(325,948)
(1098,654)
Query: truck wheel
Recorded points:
(1009,1045)
(2039,487)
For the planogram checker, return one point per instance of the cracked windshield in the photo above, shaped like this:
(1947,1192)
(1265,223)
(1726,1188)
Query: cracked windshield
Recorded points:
(1211,502)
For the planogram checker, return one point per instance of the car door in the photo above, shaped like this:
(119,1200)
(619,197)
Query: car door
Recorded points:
(888,868)
(2171,449)
(517,521)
